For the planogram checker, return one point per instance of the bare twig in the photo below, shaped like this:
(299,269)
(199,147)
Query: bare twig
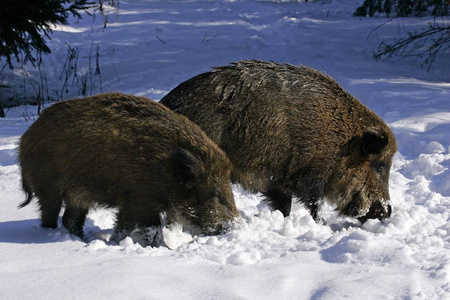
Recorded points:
(429,42)
(208,37)
(160,40)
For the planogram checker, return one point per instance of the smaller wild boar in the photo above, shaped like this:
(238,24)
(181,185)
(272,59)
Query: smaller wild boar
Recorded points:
(128,152)
(293,132)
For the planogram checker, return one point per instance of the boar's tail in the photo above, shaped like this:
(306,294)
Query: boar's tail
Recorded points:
(28,193)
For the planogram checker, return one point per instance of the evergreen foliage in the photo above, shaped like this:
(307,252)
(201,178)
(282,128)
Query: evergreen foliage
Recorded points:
(403,8)
(25,24)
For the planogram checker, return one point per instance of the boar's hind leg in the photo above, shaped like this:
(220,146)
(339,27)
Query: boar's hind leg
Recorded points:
(73,219)
(279,200)
(50,204)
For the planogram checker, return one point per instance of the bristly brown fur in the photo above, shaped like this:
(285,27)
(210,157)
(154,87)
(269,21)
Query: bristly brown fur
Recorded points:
(129,152)
(292,131)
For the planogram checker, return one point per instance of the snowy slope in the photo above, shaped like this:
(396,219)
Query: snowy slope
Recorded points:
(154,45)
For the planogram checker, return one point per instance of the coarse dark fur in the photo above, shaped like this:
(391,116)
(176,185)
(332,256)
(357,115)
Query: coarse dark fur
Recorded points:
(293,131)
(129,152)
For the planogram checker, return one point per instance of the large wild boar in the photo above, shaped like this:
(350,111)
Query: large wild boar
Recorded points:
(129,152)
(293,131)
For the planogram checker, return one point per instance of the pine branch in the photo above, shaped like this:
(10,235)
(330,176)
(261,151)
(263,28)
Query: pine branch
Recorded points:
(26,24)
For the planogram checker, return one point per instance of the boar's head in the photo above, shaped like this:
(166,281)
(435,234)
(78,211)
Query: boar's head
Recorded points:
(205,203)
(360,186)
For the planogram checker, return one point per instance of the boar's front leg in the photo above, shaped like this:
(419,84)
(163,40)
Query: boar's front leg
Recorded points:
(314,204)
(130,217)
(279,200)
(312,198)
(125,224)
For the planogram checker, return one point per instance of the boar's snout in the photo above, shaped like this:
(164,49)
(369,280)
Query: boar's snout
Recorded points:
(377,210)
(218,229)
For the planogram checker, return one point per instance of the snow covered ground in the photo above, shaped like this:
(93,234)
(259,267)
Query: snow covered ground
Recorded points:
(154,45)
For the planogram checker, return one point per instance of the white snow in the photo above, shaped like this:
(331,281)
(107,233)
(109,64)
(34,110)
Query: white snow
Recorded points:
(154,45)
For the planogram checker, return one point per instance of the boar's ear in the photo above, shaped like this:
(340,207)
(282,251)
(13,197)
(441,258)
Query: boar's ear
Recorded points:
(374,140)
(185,166)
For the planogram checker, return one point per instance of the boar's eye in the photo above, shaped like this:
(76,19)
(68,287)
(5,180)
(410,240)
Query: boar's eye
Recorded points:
(379,167)
(215,195)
